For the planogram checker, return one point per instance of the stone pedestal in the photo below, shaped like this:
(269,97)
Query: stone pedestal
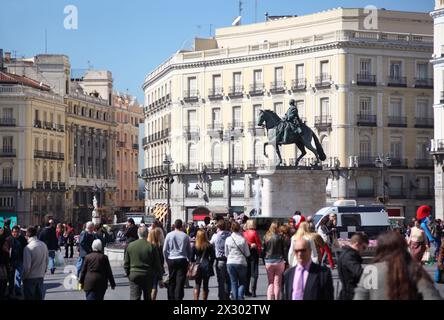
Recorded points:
(283,191)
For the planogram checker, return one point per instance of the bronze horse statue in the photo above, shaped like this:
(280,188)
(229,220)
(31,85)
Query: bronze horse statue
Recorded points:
(275,132)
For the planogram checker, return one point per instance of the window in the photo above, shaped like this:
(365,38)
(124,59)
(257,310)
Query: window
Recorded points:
(36,144)
(216,153)
(192,156)
(279,75)
(423,109)
(364,148)
(301,108)
(325,107)
(300,73)
(59,147)
(36,114)
(324,70)
(216,188)
(365,184)
(7,144)
(396,70)
(237,80)
(237,116)
(215,116)
(396,148)
(395,107)
(192,118)
(424,185)
(258,148)
(7,176)
(365,67)
(257,79)
(365,107)
(256,111)
(7,113)
(192,86)
(422,71)
(237,149)
(279,108)
(217,84)
(325,144)
(422,149)
(396,185)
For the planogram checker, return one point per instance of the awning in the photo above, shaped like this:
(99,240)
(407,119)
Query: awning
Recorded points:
(160,211)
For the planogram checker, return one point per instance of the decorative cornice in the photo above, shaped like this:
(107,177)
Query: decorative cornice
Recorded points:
(437,13)
(287,53)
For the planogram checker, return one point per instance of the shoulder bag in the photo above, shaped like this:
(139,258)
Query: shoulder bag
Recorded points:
(193,267)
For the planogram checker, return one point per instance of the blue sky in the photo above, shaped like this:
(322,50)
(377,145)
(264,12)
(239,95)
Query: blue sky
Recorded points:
(130,38)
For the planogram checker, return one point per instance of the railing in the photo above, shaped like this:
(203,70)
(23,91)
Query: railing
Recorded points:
(191,132)
(49,155)
(236,92)
(366,193)
(366,161)
(398,163)
(236,125)
(364,79)
(216,193)
(322,122)
(7,184)
(213,166)
(424,194)
(28,91)
(191,95)
(323,81)
(144,141)
(89,98)
(256,89)
(426,83)
(238,165)
(215,93)
(7,153)
(252,165)
(397,81)
(254,129)
(37,124)
(366,120)
(277,87)
(60,127)
(424,123)
(424,163)
(397,193)
(215,129)
(135,146)
(397,121)
(441,100)
(299,84)
(238,193)
(120,144)
(7,122)
(7,207)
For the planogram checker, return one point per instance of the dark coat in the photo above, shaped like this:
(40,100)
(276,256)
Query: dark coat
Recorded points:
(350,271)
(319,284)
(49,237)
(96,272)
(131,234)
(206,260)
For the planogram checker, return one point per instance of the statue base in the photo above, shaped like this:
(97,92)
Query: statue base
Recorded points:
(284,191)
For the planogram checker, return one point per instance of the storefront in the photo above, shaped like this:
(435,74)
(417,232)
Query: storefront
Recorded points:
(8,215)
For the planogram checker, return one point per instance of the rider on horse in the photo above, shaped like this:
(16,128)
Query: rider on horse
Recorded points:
(292,120)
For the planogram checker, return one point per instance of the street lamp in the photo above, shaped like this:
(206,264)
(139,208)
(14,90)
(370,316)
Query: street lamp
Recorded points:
(167,161)
(383,162)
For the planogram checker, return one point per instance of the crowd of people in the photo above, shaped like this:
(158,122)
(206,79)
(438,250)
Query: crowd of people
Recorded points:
(298,256)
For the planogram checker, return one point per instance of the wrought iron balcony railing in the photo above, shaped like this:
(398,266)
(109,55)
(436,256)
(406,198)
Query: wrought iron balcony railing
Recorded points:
(236,92)
(424,122)
(7,122)
(366,120)
(364,79)
(393,81)
(323,81)
(215,93)
(277,87)
(425,83)
(191,95)
(299,84)
(395,121)
(323,122)
(256,89)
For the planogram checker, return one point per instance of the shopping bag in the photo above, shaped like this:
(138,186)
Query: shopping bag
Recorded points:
(426,256)
(59,260)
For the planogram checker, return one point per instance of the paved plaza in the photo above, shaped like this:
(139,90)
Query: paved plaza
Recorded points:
(55,289)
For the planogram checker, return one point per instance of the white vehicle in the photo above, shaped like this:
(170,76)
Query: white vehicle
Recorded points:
(352,218)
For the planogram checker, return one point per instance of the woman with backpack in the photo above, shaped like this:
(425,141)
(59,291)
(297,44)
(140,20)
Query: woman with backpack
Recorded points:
(203,254)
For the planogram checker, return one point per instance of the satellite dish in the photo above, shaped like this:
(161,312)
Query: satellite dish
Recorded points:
(236,21)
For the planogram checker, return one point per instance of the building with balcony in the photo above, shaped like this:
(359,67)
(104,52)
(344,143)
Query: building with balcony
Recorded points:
(437,145)
(91,146)
(129,114)
(30,153)
(360,90)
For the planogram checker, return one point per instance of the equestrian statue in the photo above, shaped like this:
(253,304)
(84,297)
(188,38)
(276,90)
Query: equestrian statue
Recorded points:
(290,130)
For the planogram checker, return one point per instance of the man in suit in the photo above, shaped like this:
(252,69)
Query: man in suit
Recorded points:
(307,280)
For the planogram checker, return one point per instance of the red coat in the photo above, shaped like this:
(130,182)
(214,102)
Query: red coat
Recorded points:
(251,236)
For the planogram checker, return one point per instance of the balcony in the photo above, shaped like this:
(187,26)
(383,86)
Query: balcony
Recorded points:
(164,133)
(366,162)
(323,122)
(49,125)
(7,207)
(256,89)
(49,155)
(238,165)
(422,194)
(398,163)
(254,165)
(191,96)
(215,130)
(215,94)
(238,193)
(191,132)
(60,128)
(424,163)
(424,83)
(397,81)
(397,193)
(366,193)
(397,121)
(323,81)
(120,144)
(236,92)
(216,193)
(213,166)
(277,87)
(135,146)
(255,130)
(7,122)
(236,126)
(363,79)
(424,123)
(38,124)
(8,184)
(441,100)
(144,141)
(299,84)
(366,120)
(7,153)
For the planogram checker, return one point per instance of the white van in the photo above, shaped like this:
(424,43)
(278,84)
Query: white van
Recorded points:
(352,218)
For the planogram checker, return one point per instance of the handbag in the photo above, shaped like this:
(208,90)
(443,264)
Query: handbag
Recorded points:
(193,267)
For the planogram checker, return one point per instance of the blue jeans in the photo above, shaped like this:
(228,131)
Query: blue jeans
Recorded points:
(33,289)
(95,295)
(238,277)
(18,280)
(79,266)
(51,255)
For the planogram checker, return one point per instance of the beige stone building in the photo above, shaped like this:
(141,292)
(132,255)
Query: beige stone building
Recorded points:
(366,92)
(438,142)
(32,154)
(129,114)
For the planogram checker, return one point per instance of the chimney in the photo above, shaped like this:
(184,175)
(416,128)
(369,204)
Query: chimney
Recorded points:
(7,57)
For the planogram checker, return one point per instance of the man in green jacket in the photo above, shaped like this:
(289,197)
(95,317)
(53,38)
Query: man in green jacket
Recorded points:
(142,264)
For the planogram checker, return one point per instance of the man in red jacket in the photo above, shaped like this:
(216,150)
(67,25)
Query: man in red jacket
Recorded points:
(298,219)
